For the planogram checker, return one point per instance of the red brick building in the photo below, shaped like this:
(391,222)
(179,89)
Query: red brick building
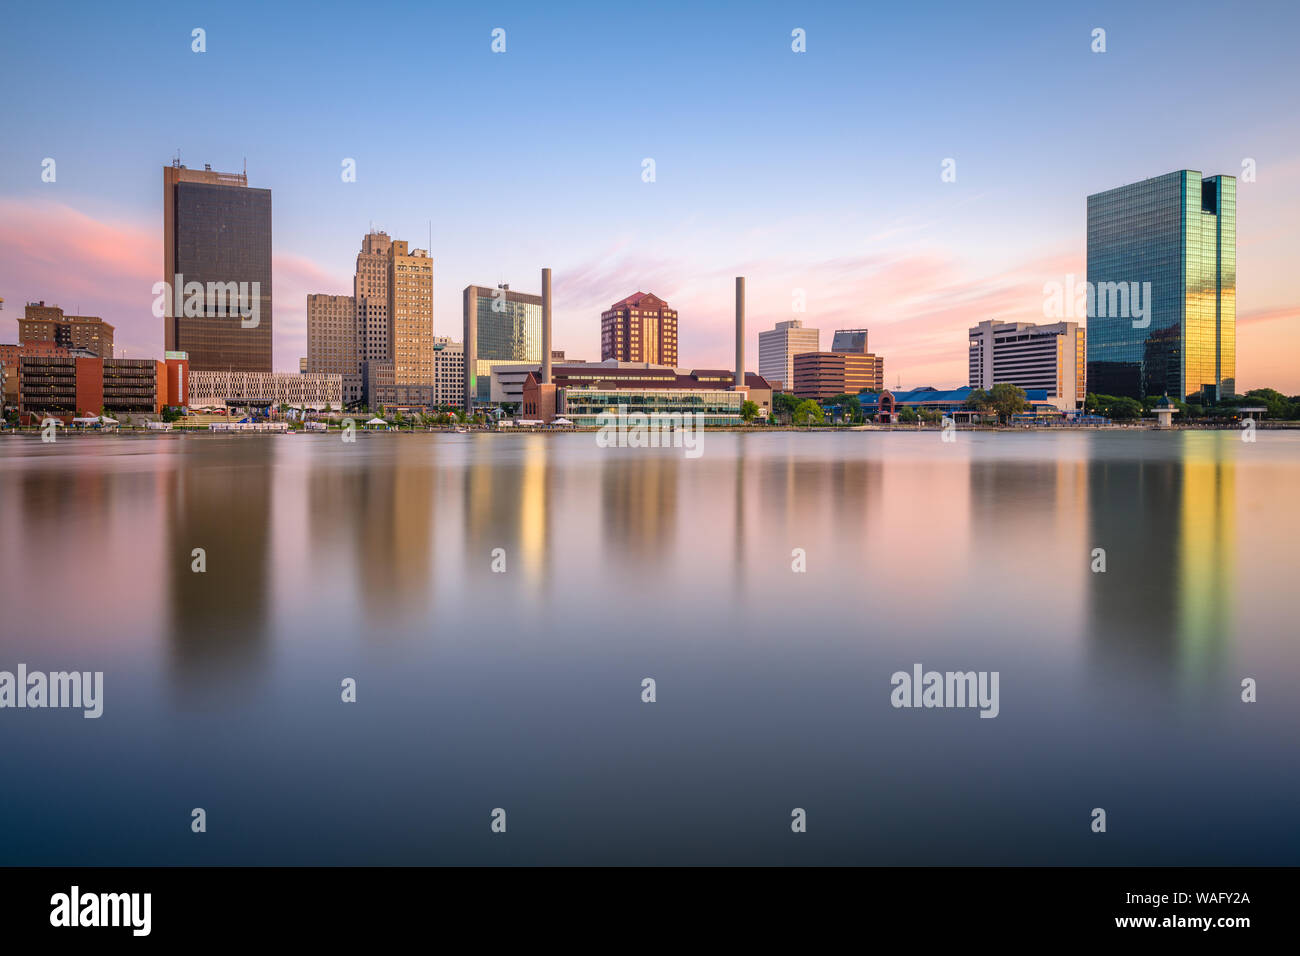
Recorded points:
(640,328)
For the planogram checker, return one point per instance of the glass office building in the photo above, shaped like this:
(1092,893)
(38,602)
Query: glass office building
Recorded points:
(1177,232)
(217,232)
(586,406)
(501,328)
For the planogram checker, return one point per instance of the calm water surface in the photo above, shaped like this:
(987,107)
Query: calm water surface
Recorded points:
(521,690)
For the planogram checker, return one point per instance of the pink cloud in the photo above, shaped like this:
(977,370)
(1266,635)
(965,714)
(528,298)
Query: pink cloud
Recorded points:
(52,252)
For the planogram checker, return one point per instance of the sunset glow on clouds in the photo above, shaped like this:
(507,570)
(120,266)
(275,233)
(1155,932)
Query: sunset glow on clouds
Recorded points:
(917,301)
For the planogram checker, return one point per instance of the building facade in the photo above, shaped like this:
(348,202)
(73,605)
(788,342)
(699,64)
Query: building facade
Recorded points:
(777,348)
(501,327)
(640,328)
(586,407)
(11,361)
(80,384)
(332,341)
(217,242)
(1176,236)
(370,293)
(46,324)
(823,375)
(632,378)
(1051,357)
(210,389)
(410,311)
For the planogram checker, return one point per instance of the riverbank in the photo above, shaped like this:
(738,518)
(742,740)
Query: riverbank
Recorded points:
(712,429)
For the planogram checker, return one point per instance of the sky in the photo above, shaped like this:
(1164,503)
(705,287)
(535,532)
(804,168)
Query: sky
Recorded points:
(817,171)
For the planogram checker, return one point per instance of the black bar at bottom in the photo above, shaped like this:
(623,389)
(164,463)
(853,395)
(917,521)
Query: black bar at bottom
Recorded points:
(375,904)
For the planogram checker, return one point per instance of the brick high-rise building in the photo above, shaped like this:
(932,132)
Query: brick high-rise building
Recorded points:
(410,312)
(332,341)
(48,324)
(370,292)
(640,328)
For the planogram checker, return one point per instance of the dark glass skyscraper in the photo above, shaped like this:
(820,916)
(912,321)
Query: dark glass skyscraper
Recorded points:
(217,233)
(1177,232)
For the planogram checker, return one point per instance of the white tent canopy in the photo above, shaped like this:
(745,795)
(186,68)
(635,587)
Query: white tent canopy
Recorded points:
(376,421)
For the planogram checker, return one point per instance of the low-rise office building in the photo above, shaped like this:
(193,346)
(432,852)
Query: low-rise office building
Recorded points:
(10,365)
(823,375)
(586,407)
(885,405)
(317,391)
(79,383)
(612,377)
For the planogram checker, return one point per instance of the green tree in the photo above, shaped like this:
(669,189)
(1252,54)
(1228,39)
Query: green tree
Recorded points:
(1007,400)
(783,406)
(849,405)
(1278,405)
(1122,408)
(748,410)
(908,415)
(809,412)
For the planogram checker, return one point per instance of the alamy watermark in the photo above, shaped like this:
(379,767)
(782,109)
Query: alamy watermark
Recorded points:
(623,429)
(946,689)
(1115,300)
(216,299)
(36,689)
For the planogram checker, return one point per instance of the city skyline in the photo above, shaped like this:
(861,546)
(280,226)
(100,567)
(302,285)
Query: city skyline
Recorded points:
(872,236)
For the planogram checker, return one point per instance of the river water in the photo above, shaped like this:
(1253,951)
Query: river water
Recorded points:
(521,689)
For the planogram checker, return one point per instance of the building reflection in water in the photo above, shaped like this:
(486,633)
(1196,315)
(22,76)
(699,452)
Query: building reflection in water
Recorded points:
(219,498)
(1164,605)
(507,490)
(639,506)
(377,510)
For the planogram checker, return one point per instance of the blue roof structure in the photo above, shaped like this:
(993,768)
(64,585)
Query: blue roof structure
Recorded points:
(939,397)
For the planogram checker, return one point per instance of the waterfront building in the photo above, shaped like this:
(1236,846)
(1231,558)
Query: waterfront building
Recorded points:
(317,391)
(1051,357)
(640,328)
(10,361)
(217,233)
(585,406)
(822,375)
(777,348)
(1176,236)
(884,405)
(631,378)
(82,383)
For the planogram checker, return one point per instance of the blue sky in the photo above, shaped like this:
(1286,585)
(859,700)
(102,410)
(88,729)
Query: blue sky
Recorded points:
(817,170)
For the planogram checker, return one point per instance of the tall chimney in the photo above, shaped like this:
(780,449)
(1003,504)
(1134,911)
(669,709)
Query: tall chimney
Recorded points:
(739,383)
(546,326)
